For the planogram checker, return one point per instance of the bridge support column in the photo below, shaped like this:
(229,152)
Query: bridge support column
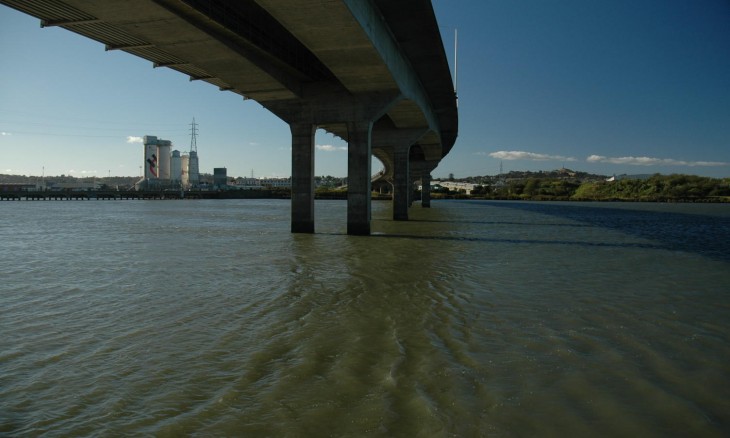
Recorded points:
(426,190)
(411,190)
(401,141)
(401,182)
(358,177)
(302,178)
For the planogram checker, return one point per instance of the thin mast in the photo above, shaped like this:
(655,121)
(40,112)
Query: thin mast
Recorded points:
(456,72)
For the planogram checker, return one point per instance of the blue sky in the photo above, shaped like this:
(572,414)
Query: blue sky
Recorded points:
(607,87)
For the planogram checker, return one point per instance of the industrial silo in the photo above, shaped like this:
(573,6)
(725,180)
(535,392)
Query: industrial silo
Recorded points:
(163,159)
(193,173)
(184,170)
(150,157)
(176,168)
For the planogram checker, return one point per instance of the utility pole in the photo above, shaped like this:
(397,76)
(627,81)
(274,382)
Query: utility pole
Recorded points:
(194,136)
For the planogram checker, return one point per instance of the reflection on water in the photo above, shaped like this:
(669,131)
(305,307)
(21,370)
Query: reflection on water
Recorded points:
(472,319)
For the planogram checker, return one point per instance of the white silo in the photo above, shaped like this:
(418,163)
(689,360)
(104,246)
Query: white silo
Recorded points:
(176,167)
(193,173)
(150,157)
(184,173)
(163,159)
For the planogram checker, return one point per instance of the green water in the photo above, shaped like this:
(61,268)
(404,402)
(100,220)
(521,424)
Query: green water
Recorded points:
(208,318)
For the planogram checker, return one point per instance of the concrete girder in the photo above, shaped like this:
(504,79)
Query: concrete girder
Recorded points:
(338,64)
(199,47)
(389,138)
(334,107)
(424,167)
(385,141)
(365,51)
(372,22)
(431,145)
(360,51)
(407,114)
(214,49)
(344,48)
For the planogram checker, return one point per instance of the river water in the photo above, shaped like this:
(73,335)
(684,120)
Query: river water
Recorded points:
(475,318)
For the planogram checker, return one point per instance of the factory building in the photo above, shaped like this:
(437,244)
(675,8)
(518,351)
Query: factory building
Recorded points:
(184,166)
(220,177)
(176,168)
(166,169)
(193,170)
(245,183)
(150,157)
(163,159)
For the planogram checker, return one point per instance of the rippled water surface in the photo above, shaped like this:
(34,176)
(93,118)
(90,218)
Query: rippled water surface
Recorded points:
(475,318)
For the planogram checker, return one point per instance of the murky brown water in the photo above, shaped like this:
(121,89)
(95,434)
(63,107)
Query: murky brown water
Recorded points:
(209,318)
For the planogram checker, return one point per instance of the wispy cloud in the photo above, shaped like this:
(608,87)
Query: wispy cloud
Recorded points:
(650,161)
(522,155)
(4,134)
(133,139)
(330,148)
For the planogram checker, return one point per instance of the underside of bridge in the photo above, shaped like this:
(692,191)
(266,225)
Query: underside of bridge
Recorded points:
(373,72)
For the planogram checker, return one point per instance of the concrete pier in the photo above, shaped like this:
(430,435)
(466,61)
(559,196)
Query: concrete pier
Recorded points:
(401,182)
(358,177)
(302,191)
(426,190)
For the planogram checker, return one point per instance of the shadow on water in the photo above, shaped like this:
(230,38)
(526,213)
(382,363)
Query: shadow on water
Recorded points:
(498,223)
(520,241)
(377,235)
(708,236)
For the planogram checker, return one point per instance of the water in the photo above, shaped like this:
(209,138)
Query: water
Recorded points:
(209,318)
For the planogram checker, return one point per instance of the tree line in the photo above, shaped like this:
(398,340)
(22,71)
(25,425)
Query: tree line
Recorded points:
(687,188)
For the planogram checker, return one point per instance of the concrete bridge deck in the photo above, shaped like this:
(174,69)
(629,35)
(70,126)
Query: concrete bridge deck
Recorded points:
(373,72)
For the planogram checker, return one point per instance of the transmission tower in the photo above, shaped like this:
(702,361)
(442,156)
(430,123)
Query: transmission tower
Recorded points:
(194,136)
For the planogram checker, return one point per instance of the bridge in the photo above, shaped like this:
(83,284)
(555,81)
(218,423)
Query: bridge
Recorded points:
(372,72)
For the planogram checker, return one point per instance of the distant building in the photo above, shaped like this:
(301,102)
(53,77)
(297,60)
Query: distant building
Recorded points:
(73,186)
(220,177)
(245,183)
(276,182)
(193,169)
(176,169)
(164,168)
(19,187)
(455,186)
(615,177)
(156,161)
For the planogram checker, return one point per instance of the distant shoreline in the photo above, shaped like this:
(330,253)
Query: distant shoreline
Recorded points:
(339,195)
